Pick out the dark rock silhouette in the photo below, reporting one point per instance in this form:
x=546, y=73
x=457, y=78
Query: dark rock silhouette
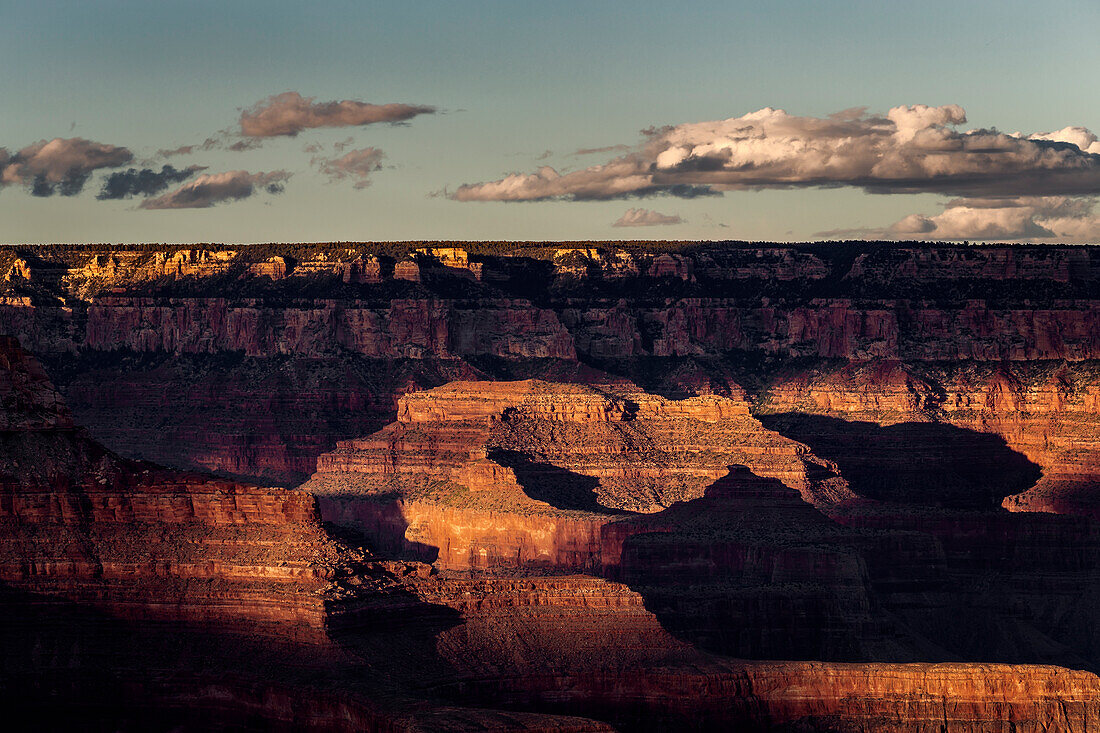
x=558, y=487
x=929, y=464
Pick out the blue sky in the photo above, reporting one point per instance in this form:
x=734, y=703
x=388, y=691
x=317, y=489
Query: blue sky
x=509, y=82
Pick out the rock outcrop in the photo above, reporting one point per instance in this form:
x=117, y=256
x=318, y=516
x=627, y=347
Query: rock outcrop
x=741, y=540
x=82, y=523
x=145, y=597
x=984, y=418
x=477, y=474
x=216, y=562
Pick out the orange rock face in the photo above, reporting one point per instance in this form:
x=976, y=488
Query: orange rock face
x=753, y=531
x=526, y=473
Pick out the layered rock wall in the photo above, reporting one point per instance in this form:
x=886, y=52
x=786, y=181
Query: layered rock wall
x=1048, y=412
x=519, y=474
x=514, y=329
x=402, y=329
x=134, y=316
x=941, y=698
x=81, y=523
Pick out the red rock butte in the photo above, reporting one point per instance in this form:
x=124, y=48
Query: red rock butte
x=447, y=486
x=528, y=473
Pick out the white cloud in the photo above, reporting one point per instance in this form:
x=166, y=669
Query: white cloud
x=646, y=218
x=1031, y=218
x=910, y=149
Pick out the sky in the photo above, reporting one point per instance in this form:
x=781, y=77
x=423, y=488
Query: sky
x=239, y=121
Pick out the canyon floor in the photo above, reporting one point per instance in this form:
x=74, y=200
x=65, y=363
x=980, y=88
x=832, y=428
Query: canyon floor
x=634, y=486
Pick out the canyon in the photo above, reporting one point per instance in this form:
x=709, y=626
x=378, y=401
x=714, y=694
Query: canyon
x=636, y=486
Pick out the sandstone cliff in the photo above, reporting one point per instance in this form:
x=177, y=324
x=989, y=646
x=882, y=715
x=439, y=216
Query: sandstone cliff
x=395, y=646
x=865, y=552
x=1046, y=413
x=479, y=474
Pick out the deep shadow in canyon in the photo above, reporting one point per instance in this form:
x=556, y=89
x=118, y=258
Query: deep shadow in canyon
x=751, y=571
x=926, y=464
x=385, y=534
x=558, y=487
x=73, y=666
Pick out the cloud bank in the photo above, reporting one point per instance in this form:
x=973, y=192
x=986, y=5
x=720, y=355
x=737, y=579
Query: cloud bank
x=1049, y=219
x=646, y=218
x=289, y=113
x=1055, y=218
x=144, y=182
x=356, y=165
x=210, y=189
x=59, y=165
x=911, y=149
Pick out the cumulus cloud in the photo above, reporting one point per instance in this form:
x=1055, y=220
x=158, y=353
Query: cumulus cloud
x=289, y=113
x=356, y=165
x=1068, y=219
x=1081, y=137
x=646, y=218
x=911, y=149
x=1053, y=218
x=144, y=182
x=210, y=189
x=59, y=165
x=914, y=224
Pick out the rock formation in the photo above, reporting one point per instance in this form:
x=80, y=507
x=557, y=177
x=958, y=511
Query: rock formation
x=567, y=488
x=287, y=316
x=522, y=473
x=82, y=523
x=723, y=524
x=149, y=597
x=1046, y=412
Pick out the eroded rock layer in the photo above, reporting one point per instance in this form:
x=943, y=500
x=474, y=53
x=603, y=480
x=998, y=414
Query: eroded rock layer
x=81, y=522
x=866, y=454
x=145, y=598
x=980, y=415
x=757, y=547
x=477, y=474
x=288, y=351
